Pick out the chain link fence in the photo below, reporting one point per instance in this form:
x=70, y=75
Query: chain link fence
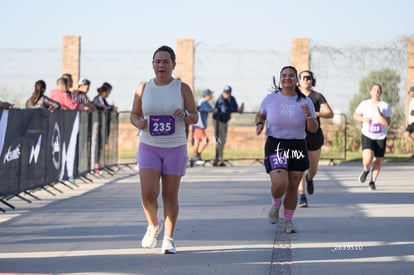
x=338, y=70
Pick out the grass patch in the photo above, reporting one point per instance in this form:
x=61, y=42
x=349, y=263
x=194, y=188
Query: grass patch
x=210, y=153
x=388, y=158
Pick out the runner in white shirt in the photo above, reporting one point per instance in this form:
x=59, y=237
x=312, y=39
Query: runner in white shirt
x=375, y=117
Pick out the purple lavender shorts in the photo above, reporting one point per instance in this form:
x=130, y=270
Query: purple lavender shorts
x=169, y=161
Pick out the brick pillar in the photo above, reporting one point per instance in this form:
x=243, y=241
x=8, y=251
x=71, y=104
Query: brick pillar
x=71, y=57
x=300, y=55
x=410, y=72
x=185, y=61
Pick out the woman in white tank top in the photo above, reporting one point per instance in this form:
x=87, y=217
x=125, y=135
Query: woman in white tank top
x=162, y=106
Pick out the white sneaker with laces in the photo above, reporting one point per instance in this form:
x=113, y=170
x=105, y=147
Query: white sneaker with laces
x=274, y=214
x=289, y=227
x=150, y=237
x=168, y=246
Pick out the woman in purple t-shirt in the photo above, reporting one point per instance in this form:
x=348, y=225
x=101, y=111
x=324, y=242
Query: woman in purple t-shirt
x=288, y=113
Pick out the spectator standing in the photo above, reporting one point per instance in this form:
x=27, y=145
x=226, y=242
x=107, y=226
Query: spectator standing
x=410, y=127
x=199, y=130
x=98, y=139
x=288, y=113
x=100, y=100
x=80, y=95
x=161, y=108
x=69, y=78
x=39, y=99
x=59, y=95
x=225, y=105
x=314, y=141
x=375, y=117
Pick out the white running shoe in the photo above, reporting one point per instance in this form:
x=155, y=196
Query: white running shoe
x=274, y=214
x=150, y=237
x=289, y=227
x=168, y=246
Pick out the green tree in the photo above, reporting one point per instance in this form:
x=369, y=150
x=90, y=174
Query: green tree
x=389, y=81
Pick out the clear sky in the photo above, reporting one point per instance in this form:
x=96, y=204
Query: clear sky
x=133, y=25
x=242, y=23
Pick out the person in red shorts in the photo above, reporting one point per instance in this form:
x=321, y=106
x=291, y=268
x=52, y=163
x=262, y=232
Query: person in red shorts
x=199, y=130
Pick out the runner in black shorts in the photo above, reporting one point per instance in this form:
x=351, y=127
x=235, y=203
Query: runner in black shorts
x=292, y=151
x=377, y=146
x=314, y=140
x=287, y=113
x=375, y=116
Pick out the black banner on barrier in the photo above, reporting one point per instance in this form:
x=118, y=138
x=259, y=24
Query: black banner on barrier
x=10, y=149
x=34, y=141
x=111, y=142
x=96, y=142
x=54, y=147
x=39, y=147
x=62, y=160
x=84, y=143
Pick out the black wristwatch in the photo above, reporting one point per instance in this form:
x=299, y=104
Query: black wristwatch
x=186, y=113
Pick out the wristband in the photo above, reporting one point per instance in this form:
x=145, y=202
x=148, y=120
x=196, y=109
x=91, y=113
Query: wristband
x=186, y=113
x=259, y=123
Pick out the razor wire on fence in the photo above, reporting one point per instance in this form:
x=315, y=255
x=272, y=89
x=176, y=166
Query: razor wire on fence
x=248, y=71
x=338, y=70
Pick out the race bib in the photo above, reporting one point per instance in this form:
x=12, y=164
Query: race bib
x=161, y=125
x=279, y=161
x=375, y=128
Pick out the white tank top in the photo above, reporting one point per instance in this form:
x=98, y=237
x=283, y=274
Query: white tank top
x=158, y=105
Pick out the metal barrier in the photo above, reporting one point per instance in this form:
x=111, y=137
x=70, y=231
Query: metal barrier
x=242, y=142
x=39, y=148
x=335, y=136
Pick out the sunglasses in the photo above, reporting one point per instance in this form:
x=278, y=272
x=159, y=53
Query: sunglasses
x=306, y=77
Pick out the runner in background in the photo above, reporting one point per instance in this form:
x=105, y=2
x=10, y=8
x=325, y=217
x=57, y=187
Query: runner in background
x=314, y=140
x=375, y=116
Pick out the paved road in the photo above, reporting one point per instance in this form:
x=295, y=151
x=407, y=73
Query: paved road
x=96, y=228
